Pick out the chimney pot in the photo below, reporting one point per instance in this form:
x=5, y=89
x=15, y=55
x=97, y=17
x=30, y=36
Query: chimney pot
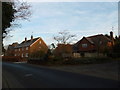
x=31, y=37
x=112, y=38
x=25, y=39
x=111, y=35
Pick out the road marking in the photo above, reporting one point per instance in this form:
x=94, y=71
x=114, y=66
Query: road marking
x=28, y=75
x=20, y=62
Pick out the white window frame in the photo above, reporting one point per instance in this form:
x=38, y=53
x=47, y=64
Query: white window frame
x=39, y=42
x=22, y=55
x=100, y=42
x=26, y=48
x=85, y=45
x=26, y=55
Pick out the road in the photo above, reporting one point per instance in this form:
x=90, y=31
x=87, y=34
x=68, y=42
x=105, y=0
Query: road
x=23, y=75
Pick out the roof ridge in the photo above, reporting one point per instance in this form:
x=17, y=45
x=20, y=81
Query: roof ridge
x=95, y=35
x=27, y=43
x=107, y=37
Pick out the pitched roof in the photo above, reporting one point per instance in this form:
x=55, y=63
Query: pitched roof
x=90, y=40
x=100, y=37
x=27, y=43
x=10, y=47
x=93, y=40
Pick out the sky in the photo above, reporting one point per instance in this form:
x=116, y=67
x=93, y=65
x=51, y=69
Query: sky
x=79, y=18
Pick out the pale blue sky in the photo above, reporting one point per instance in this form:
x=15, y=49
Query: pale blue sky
x=80, y=18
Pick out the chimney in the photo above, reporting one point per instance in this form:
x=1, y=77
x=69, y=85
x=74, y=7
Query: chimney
x=111, y=37
x=15, y=44
x=31, y=37
x=25, y=39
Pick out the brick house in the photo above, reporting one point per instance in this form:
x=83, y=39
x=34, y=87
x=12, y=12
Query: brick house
x=28, y=47
x=10, y=49
x=91, y=44
x=64, y=50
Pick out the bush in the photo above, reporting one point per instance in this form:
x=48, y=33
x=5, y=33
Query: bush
x=87, y=61
x=114, y=55
x=37, y=54
x=35, y=61
x=82, y=54
x=13, y=58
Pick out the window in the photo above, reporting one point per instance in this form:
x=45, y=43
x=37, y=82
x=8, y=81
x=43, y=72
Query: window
x=26, y=55
x=26, y=48
x=100, y=42
x=22, y=55
x=84, y=45
x=22, y=49
x=15, y=50
x=15, y=55
x=39, y=42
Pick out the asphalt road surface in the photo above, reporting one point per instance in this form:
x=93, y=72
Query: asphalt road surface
x=23, y=75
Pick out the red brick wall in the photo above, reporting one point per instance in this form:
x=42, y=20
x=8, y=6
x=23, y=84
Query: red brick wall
x=22, y=51
x=89, y=45
x=62, y=49
x=36, y=46
x=39, y=45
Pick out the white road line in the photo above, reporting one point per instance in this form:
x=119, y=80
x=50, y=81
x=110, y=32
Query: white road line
x=21, y=62
x=28, y=75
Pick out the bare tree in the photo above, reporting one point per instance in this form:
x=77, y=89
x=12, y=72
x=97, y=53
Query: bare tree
x=64, y=37
x=22, y=10
x=12, y=11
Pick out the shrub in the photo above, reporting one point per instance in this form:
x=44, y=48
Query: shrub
x=37, y=54
x=87, y=61
x=13, y=58
x=82, y=54
x=114, y=55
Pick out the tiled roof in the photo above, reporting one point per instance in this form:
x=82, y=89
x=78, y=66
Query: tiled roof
x=90, y=40
x=10, y=47
x=26, y=43
x=94, y=39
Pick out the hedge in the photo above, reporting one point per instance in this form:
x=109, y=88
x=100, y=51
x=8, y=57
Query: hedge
x=13, y=58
